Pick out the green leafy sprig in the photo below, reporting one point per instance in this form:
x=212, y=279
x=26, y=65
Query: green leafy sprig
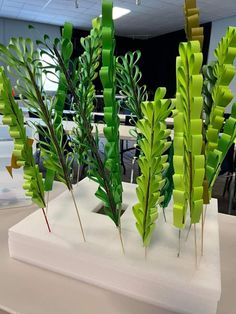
x=84, y=143
x=128, y=76
x=189, y=161
x=216, y=158
x=224, y=72
x=153, y=163
x=86, y=72
x=111, y=129
x=168, y=173
x=61, y=95
x=24, y=62
x=22, y=153
x=207, y=89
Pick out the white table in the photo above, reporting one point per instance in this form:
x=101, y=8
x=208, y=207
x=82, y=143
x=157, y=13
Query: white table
x=29, y=290
x=69, y=125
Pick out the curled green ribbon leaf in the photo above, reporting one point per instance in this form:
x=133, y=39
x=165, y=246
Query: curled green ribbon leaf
x=22, y=153
x=152, y=162
x=223, y=71
x=189, y=162
x=111, y=129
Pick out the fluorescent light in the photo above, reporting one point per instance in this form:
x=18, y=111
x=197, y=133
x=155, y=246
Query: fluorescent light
x=119, y=12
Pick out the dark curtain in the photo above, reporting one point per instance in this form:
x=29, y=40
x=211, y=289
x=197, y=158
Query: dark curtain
x=158, y=56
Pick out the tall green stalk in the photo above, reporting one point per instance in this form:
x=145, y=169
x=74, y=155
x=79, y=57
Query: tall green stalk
x=23, y=61
x=22, y=154
x=153, y=163
x=128, y=76
x=189, y=161
x=224, y=72
x=111, y=129
x=60, y=97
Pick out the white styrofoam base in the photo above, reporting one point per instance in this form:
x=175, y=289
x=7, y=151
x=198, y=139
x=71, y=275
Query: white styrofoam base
x=162, y=279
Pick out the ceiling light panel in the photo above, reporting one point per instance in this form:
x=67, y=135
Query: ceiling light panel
x=152, y=17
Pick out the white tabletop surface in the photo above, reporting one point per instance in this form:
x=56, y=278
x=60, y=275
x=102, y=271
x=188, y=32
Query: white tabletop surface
x=69, y=125
x=27, y=289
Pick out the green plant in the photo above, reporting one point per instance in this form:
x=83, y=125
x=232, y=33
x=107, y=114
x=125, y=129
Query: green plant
x=60, y=96
x=168, y=173
x=192, y=22
x=207, y=89
x=189, y=161
x=23, y=61
x=153, y=163
x=216, y=157
x=128, y=76
x=111, y=129
x=22, y=153
x=223, y=71
x=86, y=72
x=79, y=83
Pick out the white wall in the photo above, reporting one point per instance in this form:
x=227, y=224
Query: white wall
x=15, y=28
x=219, y=28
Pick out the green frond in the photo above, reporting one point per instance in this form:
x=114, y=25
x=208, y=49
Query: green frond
x=188, y=160
x=152, y=163
x=224, y=72
x=128, y=76
x=22, y=153
x=111, y=128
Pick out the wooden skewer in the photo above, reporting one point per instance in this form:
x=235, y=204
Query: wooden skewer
x=164, y=214
x=179, y=245
x=121, y=239
x=195, y=246
x=203, y=225
x=77, y=211
x=189, y=229
x=45, y=217
x=132, y=171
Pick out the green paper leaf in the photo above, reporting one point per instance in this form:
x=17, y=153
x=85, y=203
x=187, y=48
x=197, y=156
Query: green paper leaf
x=152, y=163
x=188, y=159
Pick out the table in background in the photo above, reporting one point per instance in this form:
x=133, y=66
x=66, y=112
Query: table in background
x=69, y=125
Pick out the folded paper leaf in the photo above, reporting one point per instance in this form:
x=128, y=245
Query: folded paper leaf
x=61, y=94
x=192, y=22
x=189, y=162
x=22, y=154
x=111, y=129
x=150, y=185
x=226, y=140
x=222, y=71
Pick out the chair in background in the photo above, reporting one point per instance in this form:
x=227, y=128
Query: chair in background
x=131, y=121
x=97, y=118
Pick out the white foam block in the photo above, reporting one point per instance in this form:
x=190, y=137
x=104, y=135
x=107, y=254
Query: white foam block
x=162, y=279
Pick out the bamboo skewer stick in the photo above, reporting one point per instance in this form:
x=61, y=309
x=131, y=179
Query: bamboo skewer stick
x=179, y=245
x=121, y=239
x=189, y=229
x=77, y=211
x=132, y=171
x=45, y=217
x=164, y=214
x=202, y=231
x=195, y=246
